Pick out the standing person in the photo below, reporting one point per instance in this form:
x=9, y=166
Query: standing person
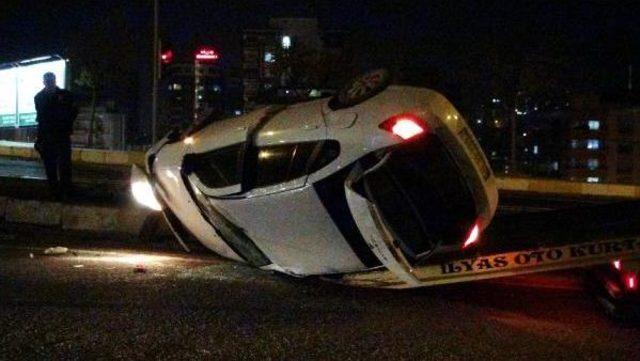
x=56, y=114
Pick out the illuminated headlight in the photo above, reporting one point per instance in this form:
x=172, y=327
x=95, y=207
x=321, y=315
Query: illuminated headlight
x=142, y=191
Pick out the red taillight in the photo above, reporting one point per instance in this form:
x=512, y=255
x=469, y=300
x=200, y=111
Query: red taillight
x=473, y=237
x=631, y=281
x=406, y=126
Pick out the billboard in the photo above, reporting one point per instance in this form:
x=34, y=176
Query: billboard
x=20, y=82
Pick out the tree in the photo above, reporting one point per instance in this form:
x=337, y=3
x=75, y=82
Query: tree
x=104, y=57
x=87, y=80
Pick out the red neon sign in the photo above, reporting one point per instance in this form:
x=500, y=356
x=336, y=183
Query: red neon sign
x=166, y=57
x=207, y=54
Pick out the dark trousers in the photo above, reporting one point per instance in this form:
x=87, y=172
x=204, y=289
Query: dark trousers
x=56, y=156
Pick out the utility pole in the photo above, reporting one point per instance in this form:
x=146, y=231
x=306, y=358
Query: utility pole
x=156, y=59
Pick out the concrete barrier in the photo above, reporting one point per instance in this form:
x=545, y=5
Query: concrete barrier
x=122, y=220
x=33, y=212
x=552, y=186
x=93, y=156
x=130, y=220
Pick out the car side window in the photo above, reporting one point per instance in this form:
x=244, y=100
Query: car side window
x=284, y=162
x=219, y=168
x=330, y=150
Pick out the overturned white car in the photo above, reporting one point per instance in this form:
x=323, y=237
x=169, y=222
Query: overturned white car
x=377, y=176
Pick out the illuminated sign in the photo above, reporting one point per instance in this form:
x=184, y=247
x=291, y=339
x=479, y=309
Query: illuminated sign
x=8, y=97
x=20, y=83
x=207, y=54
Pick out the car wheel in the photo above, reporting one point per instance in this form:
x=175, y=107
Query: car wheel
x=360, y=89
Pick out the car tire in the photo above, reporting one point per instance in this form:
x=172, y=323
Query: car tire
x=360, y=89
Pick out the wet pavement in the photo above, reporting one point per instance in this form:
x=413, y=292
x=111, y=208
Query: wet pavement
x=129, y=301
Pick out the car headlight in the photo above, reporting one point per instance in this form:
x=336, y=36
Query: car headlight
x=142, y=191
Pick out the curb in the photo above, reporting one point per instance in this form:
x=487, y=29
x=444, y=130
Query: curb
x=123, y=220
x=94, y=156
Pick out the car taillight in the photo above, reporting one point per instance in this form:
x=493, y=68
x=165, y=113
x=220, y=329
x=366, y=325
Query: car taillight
x=631, y=281
x=406, y=126
x=473, y=237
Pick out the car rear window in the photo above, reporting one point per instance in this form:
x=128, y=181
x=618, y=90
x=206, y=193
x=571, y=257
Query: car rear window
x=422, y=196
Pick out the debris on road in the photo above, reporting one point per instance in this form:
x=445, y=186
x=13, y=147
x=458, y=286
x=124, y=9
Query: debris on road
x=56, y=250
x=139, y=268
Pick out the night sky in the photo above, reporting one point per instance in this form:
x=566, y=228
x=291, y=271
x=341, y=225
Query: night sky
x=442, y=37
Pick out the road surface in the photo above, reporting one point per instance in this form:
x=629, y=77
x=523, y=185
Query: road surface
x=133, y=303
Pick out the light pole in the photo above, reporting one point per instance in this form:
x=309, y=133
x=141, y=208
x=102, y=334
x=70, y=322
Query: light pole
x=156, y=66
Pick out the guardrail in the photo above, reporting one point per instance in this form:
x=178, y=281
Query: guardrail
x=535, y=185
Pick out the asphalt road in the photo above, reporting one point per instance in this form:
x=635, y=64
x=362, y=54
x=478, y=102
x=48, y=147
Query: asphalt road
x=93, y=304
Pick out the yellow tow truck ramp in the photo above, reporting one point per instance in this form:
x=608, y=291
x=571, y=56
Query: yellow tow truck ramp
x=532, y=242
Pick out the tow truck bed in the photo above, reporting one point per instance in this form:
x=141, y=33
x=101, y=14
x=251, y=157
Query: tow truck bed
x=528, y=243
x=562, y=227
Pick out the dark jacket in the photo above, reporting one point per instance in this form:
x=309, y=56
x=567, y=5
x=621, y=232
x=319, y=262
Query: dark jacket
x=56, y=114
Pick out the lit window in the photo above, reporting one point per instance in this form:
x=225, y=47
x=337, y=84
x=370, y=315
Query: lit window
x=535, y=149
x=593, y=144
x=594, y=124
x=237, y=112
x=593, y=179
x=593, y=164
x=175, y=86
x=268, y=57
x=286, y=42
x=574, y=143
x=555, y=166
